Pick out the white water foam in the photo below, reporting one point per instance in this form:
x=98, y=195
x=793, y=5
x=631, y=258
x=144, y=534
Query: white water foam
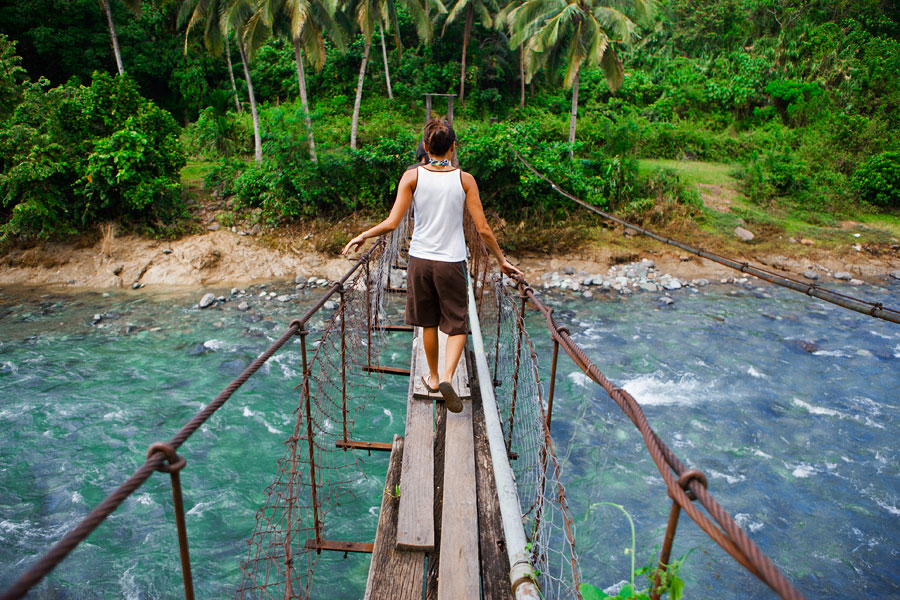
x=888, y=507
x=77, y=498
x=745, y=522
x=580, y=379
x=130, y=589
x=200, y=508
x=258, y=417
x=218, y=345
x=11, y=366
x=835, y=353
x=754, y=373
x=389, y=414
x=731, y=479
x=145, y=499
x=654, y=390
x=818, y=410
x=803, y=470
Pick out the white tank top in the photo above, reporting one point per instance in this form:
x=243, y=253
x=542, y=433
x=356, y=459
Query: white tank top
x=438, y=204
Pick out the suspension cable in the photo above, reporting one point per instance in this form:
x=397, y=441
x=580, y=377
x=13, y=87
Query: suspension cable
x=866, y=307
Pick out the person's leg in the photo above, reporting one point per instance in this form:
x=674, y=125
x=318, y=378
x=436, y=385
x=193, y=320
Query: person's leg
x=430, y=342
x=455, y=345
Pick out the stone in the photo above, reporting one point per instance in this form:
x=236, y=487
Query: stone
x=321, y=281
x=262, y=294
x=300, y=278
x=255, y=230
x=647, y=287
x=207, y=300
x=587, y=295
x=136, y=285
x=167, y=251
x=243, y=306
x=856, y=282
x=743, y=234
x=701, y=282
x=666, y=300
x=810, y=274
x=283, y=298
x=330, y=305
x=807, y=242
x=546, y=276
x=213, y=227
x=673, y=284
x=895, y=274
x=234, y=291
x=587, y=281
x=97, y=318
x=569, y=270
x=843, y=276
x=649, y=263
x=625, y=291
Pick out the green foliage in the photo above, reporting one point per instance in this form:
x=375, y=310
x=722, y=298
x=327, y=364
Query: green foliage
x=73, y=156
x=878, y=180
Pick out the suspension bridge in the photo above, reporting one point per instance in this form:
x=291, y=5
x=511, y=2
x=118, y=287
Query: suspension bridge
x=474, y=505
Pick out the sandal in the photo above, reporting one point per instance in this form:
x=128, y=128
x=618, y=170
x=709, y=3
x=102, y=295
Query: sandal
x=451, y=400
x=428, y=388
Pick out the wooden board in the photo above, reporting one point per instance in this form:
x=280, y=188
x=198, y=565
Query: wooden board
x=495, y=584
x=393, y=574
x=415, y=522
x=460, y=379
x=433, y=557
x=458, y=576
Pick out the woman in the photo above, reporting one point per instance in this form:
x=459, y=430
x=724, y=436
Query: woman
x=436, y=276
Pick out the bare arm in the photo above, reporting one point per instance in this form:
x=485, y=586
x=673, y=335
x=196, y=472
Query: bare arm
x=473, y=205
x=405, y=190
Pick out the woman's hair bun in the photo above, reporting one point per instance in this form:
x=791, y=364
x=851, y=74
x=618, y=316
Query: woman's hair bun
x=438, y=136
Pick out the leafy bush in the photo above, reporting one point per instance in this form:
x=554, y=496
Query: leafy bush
x=878, y=180
x=73, y=156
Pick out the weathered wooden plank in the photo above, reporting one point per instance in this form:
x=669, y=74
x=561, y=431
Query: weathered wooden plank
x=393, y=574
x=415, y=524
x=460, y=378
x=495, y=583
x=458, y=577
x=433, y=558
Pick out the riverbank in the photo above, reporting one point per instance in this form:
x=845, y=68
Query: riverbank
x=225, y=257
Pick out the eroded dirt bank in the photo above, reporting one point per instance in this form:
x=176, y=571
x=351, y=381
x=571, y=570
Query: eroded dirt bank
x=223, y=257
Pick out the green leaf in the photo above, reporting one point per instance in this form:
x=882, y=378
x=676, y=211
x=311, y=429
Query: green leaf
x=627, y=591
x=676, y=588
x=590, y=592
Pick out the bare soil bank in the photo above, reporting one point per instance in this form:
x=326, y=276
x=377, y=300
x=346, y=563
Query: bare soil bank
x=222, y=258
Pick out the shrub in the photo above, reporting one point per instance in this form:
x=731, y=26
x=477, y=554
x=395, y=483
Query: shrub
x=878, y=180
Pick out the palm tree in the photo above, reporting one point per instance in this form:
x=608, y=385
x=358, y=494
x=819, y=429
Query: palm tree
x=371, y=12
x=581, y=31
x=485, y=9
x=219, y=19
x=135, y=7
x=503, y=18
x=304, y=22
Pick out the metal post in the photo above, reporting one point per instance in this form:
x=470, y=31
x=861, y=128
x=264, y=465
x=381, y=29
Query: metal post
x=344, y=363
x=368, y=315
x=497, y=344
x=175, y=464
x=450, y=110
x=309, y=439
x=666, y=548
x=552, y=382
x=427, y=107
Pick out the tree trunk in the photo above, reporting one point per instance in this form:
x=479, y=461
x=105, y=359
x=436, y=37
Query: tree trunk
x=522, y=76
x=392, y=12
x=115, y=38
x=301, y=78
x=257, y=140
x=467, y=31
x=574, y=114
x=359, y=87
x=387, y=69
x=237, y=100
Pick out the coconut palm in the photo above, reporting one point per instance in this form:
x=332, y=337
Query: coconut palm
x=205, y=14
x=305, y=23
x=501, y=20
x=370, y=13
x=485, y=10
x=580, y=33
x=218, y=20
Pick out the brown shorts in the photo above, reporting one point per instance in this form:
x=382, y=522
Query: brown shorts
x=436, y=295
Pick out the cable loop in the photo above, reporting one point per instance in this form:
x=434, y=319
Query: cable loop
x=176, y=462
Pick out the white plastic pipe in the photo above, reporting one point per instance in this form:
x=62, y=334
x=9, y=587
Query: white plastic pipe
x=521, y=573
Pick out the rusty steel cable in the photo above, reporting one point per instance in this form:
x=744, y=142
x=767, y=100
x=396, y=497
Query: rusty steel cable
x=678, y=479
x=80, y=532
x=866, y=307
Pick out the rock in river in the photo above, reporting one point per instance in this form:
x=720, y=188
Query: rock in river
x=207, y=300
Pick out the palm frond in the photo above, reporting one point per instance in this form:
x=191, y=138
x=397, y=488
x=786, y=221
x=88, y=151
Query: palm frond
x=612, y=68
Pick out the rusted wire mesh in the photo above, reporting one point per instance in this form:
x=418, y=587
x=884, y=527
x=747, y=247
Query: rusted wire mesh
x=521, y=401
x=315, y=473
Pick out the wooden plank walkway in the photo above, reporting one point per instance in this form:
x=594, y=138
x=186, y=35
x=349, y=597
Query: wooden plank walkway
x=444, y=532
x=420, y=367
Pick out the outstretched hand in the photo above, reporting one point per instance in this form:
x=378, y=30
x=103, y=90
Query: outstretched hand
x=354, y=244
x=510, y=271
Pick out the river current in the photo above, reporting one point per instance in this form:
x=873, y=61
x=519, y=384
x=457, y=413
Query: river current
x=789, y=405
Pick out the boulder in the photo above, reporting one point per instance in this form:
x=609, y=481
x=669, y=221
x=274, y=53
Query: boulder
x=569, y=270
x=243, y=306
x=330, y=305
x=810, y=274
x=300, y=278
x=895, y=274
x=673, y=284
x=843, y=276
x=207, y=300
x=856, y=282
x=666, y=300
x=283, y=298
x=701, y=282
x=648, y=287
x=743, y=234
